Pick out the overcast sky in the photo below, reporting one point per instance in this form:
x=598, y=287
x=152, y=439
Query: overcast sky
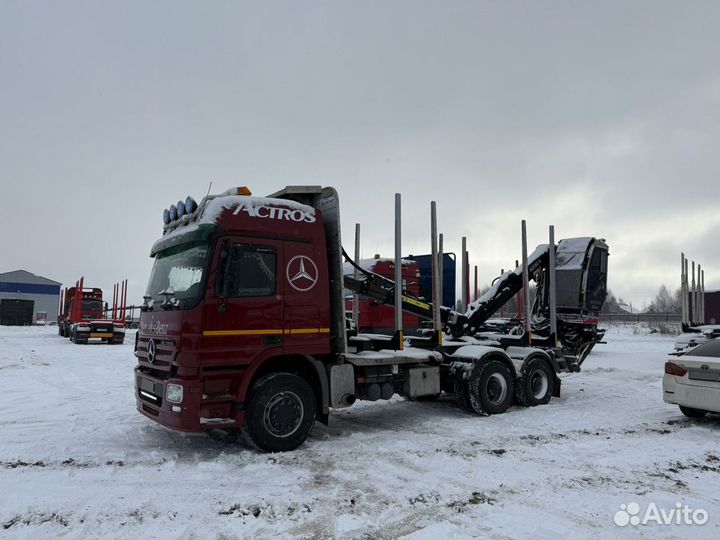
x=600, y=118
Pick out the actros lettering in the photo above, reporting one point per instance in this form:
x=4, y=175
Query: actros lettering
x=271, y=212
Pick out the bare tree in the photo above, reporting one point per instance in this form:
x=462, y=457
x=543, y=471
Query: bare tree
x=610, y=304
x=665, y=302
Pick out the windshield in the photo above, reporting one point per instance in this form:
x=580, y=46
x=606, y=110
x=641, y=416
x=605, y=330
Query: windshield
x=178, y=272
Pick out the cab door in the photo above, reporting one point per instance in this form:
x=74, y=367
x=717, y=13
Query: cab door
x=243, y=312
x=307, y=303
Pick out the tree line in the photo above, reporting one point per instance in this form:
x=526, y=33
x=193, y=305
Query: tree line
x=664, y=302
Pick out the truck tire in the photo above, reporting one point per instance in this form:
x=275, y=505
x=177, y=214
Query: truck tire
x=281, y=410
x=692, y=413
x=462, y=395
x=491, y=388
x=536, y=385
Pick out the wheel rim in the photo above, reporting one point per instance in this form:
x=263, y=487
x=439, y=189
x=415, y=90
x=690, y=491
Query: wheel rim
x=538, y=384
x=283, y=414
x=496, y=389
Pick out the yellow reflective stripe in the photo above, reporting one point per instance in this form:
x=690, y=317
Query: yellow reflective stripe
x=269, y=332
x=414, y=302
x=242, y=332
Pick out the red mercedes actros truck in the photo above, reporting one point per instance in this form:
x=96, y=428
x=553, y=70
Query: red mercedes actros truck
x=81, y=316
x=243, y=324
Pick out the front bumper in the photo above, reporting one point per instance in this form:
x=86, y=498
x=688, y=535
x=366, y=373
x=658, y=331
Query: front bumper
x=195, y=413
x=675, y=391
x=100, y=331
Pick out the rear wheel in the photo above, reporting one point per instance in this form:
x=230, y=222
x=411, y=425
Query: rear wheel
x=537, y=383
x=491, y=390
x=280, y=413
x=692, y=413
x=462, y=395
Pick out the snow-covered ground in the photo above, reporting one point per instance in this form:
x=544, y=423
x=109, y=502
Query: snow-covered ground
x=77, y=461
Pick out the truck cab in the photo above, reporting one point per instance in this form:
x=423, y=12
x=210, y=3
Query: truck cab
x=239, y=289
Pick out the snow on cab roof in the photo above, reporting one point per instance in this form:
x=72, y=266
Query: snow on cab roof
x=211, y=208
x=215, y=207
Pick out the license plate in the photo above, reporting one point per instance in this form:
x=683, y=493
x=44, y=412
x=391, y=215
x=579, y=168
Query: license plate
x=704, y=375
x=101, y=335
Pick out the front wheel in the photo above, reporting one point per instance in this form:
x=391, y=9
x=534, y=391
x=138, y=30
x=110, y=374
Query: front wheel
x=281, y=410
x=692, y=413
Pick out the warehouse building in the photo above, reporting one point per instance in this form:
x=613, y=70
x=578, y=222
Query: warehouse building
x=26, y=298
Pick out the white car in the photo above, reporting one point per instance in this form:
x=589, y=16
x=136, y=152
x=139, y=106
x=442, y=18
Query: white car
x=692, y=380
x=688, y=340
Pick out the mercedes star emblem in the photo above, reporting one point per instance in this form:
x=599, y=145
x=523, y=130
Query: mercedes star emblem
x=302, y=273
x=151, y=351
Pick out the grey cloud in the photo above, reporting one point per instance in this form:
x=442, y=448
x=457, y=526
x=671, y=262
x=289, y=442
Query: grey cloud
x=598, y=117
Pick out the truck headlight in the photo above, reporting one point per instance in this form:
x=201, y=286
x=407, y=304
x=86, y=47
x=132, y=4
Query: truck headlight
x=174, y=393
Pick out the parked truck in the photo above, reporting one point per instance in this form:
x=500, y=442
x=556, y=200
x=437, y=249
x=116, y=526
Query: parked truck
x=243, y=324
x=377, y=317
x=81, y=316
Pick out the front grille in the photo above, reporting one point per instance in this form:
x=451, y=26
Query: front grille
x=164, y=350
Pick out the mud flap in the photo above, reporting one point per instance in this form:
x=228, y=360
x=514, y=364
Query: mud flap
x=556, y=388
